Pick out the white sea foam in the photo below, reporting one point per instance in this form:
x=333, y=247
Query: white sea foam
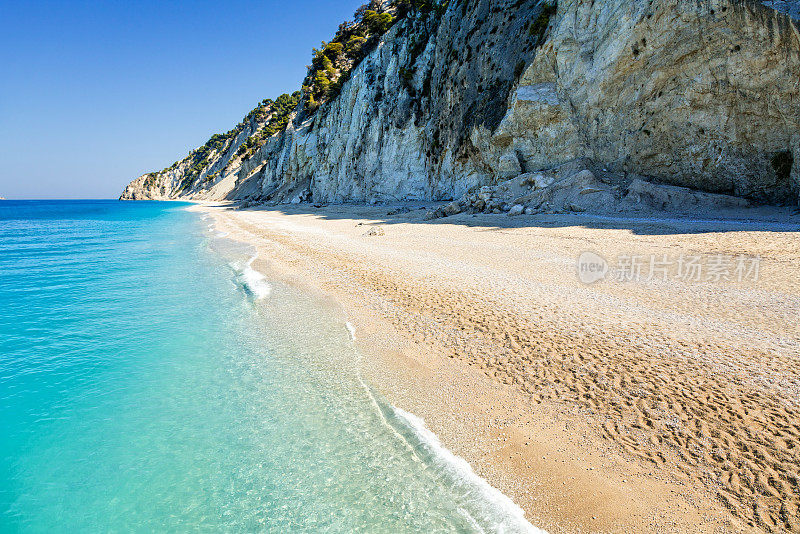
x=352, y=330
x=490, y=510
x=251, y=280
x=503, y=514
x=255, y=281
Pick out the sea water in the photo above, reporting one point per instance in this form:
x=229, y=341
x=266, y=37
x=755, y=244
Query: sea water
x=151, y=380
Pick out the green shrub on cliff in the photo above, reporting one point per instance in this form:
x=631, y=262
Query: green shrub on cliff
x=333, y=50
x=332, y=63
x=280, y=112
x=377, y=23
x=354, y=45
x=321, y=83
x=150, y=180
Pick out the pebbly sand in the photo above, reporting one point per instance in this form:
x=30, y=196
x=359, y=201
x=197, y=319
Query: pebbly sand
x=646, y=402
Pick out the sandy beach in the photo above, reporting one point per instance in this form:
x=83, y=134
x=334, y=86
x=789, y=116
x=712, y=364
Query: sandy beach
x=663, y=397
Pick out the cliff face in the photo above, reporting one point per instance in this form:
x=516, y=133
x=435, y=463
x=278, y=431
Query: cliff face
x=200, y=170
x=703, y=94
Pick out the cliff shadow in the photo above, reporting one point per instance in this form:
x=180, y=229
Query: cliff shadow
x=757, y=219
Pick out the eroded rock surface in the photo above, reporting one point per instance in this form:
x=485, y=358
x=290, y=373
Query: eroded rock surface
x=703, y=95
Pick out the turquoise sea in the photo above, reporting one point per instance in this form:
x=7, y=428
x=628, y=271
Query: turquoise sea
x=150, y=381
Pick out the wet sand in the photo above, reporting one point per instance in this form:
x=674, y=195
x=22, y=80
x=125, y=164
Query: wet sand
x=646, y=402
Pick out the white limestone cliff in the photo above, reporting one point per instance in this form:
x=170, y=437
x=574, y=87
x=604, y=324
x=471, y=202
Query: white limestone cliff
x=703, y=94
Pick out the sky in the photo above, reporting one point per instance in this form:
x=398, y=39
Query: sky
x=96, y=93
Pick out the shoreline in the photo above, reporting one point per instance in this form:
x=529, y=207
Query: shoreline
x=407, y=426
x=422, y=312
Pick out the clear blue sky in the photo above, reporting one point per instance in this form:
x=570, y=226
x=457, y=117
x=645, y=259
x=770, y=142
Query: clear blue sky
x=95, y=93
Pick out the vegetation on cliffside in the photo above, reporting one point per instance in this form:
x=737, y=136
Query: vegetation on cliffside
x=333, y=62
x=330, y=68
x=280, y=112
x=199, y=159
x=268, y=118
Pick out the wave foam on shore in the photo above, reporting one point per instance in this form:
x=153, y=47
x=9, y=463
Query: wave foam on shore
x=490, y=510
x=252, y=281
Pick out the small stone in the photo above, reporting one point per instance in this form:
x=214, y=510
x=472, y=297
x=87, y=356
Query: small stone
x=535, y=180
x=376, y=231
x=451, y=209
x=576, y=208
x=517, y=209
